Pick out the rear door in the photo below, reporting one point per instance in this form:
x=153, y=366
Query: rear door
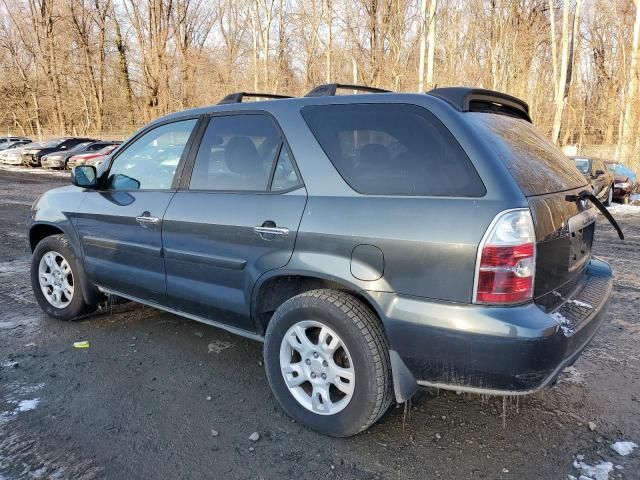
x=564, y=229
x=120, y=226
x=234, y=219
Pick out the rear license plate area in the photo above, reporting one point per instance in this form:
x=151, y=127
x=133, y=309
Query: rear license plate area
x=581, y=240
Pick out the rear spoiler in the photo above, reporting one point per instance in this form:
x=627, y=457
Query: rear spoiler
x=468, y=99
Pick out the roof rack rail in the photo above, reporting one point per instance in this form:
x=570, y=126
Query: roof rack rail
x=329, y=89
x=238, y=96
x=467, y=99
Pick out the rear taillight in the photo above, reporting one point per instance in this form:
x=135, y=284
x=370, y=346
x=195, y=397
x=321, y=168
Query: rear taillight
x=506, y=263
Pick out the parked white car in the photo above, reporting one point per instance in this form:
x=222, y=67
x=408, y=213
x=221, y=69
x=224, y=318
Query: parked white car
x=13, y=156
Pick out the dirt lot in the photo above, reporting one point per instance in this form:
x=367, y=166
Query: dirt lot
x=148, y=396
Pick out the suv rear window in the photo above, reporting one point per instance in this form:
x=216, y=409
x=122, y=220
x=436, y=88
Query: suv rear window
x=536, y=164
x=393, y=149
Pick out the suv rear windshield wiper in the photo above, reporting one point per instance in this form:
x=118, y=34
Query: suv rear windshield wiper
x=587, y=195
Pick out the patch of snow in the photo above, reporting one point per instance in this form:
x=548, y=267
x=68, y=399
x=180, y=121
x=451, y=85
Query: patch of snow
x=26, y=405
x=218, y=346
x=624, y=448
x=575, y=376
x=595, y=472
x=620, y=209
x=8, y=364
x=34, y=171
x=581, y=304
x=565, y=324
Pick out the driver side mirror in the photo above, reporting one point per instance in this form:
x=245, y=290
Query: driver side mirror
x=84, y=176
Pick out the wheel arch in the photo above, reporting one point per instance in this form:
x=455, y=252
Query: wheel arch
x=273, y=290
x=39, y=231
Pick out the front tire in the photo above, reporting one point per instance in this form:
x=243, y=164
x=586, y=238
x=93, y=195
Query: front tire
x=327, y=361
x=609, y=199
x=56, y=280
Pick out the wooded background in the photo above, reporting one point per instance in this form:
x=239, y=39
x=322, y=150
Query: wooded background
x=106, y=67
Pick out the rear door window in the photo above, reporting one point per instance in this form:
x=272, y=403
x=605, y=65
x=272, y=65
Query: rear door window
x=237, y=153
x=536, y=164
x=393, y=149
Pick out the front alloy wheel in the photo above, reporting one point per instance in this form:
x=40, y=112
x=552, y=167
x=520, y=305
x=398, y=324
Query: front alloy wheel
x=56, y=279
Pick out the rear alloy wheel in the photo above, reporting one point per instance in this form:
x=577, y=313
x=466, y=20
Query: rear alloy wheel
x=327, y=361
x=317, y=367
x=55, y=279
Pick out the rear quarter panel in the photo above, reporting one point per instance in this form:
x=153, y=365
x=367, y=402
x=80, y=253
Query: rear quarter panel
x=429, y=244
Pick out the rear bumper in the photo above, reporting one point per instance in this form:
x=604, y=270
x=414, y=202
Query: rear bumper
x=492, y=350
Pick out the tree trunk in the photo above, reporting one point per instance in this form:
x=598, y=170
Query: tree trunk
x=626, y=140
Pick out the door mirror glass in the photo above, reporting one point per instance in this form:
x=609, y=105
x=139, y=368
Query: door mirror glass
x=84, y=176
x=120, y=181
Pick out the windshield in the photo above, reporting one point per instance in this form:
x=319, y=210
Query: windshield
x=582, y=164
x=52, y=143
x=536, y=164
x=80, y=146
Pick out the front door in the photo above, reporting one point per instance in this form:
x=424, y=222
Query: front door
x=235, y=219
x=120, y=225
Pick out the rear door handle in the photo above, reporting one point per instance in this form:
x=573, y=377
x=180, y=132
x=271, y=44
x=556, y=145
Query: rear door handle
x=271, y=231
x=145, y=220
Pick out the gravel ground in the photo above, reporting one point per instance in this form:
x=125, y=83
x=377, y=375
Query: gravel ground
x=158, y=396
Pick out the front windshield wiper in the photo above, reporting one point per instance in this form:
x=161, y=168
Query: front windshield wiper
x=587, y=195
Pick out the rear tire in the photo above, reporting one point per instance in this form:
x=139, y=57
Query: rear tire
x=342, y=335
x=56, y=279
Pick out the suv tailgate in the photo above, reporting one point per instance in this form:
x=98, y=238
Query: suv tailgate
x=564, y=229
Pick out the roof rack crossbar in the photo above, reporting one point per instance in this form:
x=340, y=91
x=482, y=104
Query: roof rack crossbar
x=238, y=96
x=329, y=89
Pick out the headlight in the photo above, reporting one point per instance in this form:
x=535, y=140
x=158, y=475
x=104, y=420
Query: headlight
x=623, y=185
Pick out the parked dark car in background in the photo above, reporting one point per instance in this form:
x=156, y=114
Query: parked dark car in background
x=32, y=157
x=598, y=175
x=91, y=157
x=60, y=158
x=625, y=181
x=374, y=243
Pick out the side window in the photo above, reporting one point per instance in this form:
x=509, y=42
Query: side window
x=150, y=162
x=284, y=175
x=236, y=154
x=393, y=149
